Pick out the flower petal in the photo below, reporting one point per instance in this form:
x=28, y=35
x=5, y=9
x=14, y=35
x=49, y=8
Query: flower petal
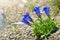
x=37, y=10
x=47, y=10
x=27, y=16
x=25, y=21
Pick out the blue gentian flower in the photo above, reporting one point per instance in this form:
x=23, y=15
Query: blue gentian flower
x=37, y=10
x=47, y=10
x=25, y=21
x=27, y=18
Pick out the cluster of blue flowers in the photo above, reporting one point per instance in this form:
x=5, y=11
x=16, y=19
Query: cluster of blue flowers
x=27, y=19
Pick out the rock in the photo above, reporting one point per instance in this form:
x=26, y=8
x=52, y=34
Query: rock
x=58, y=38
x=7, y=39
x=24, y=1
x=13, y=36
x=3, y=21
x=21, y=6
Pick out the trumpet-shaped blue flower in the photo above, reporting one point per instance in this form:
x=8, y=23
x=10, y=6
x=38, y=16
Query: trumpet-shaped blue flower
x=25, y=21
x=37, y=10
x=47, y=10
x=27, y=18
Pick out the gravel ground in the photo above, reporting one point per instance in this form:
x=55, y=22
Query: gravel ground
x=24, y=33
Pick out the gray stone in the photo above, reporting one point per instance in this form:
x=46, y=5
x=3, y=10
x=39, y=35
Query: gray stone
x=3, y=21
x=13, y=36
